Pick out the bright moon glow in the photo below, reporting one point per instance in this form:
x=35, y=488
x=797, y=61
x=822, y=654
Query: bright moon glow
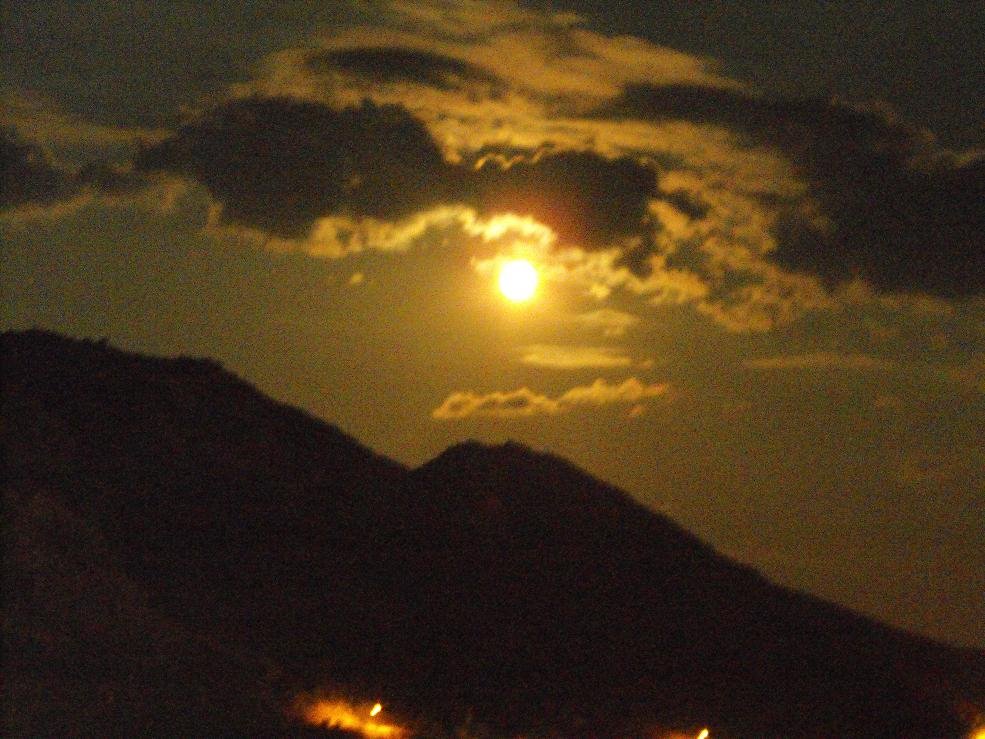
x=518, y=280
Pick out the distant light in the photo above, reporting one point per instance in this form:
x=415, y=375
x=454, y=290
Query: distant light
x=704, y=734
x=340, y=714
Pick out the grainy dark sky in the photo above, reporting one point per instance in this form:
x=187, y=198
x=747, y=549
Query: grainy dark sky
x=758, y=228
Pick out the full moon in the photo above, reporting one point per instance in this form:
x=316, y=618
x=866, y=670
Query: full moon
x=518, y=280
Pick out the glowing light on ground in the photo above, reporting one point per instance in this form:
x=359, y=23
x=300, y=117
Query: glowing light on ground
x=339, y=714
x=664, y=734
x=518, y=280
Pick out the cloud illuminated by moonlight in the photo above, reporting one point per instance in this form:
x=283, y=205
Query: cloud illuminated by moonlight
x=525, y=402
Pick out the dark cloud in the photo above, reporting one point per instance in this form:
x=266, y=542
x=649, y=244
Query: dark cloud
x=110, y=179
x=279, y=164
x=387, y=64
x=688, y=204
x=585, y=198
x=27, y=175
x=899, y=212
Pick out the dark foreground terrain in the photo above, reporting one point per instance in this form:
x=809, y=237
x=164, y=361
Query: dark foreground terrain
x=184, y=556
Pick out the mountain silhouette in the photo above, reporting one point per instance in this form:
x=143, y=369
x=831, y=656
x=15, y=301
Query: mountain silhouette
x=183, y=555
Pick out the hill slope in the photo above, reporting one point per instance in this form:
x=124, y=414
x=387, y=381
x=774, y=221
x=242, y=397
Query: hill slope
x=184, y=553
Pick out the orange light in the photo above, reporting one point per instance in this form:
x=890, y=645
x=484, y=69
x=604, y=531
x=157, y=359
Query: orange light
x=704, y=734
x=339, y=714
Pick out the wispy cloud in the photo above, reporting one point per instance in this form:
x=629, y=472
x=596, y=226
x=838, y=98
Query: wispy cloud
x=35, y=188
x=970, y=374
x=43, y=122
x=822, y=360
x=571, y=357
x=609, y=321
x=525, y=402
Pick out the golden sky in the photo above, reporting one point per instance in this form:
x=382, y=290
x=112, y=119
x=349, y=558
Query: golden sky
x=760, y=258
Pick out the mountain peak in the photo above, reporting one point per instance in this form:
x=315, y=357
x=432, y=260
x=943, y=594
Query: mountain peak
x=517, y=476
x=471, y=452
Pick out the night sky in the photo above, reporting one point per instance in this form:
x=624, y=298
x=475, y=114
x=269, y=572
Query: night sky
x=758, y=230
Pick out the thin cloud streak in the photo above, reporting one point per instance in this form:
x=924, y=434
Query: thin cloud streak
x=822, y=360
x=609, y=321
x=524, y=402
x=573, y=357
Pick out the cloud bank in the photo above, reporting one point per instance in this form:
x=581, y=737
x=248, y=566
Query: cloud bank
x=633, y=167
x=280, y=165
x=892, y=207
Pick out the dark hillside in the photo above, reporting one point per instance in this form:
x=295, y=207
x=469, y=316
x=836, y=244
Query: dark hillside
x=85, y=654
x=222, y=501
x=182, y=555
x=643, y=620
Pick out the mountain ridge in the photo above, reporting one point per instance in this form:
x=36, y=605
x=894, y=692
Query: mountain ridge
x=492, y=581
